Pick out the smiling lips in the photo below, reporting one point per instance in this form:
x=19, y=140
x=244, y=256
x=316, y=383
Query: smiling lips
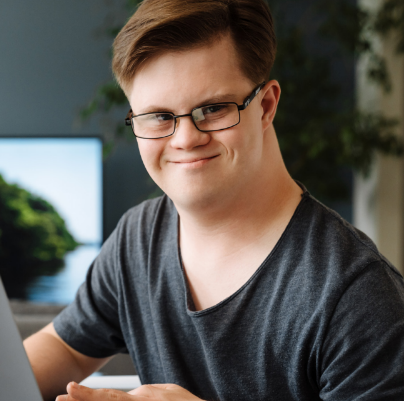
x=194, y=163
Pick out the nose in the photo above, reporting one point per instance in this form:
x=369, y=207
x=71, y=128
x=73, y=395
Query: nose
x=187, y=136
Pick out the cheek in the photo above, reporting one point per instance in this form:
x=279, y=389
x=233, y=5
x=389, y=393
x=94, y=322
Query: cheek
x=150, y=152
x=240, y=140
x=251, y=131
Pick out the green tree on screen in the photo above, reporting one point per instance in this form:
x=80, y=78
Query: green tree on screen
x=33, y=238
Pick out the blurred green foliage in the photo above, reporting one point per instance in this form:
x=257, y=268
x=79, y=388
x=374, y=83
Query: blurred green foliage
x=390, y=19
x=321, y=132
x=33, y=238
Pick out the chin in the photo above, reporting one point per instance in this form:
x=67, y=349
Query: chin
x=199, y=198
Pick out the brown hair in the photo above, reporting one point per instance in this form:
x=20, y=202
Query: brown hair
x=173, y=25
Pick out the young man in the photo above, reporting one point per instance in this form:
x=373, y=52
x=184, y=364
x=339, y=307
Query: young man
x=236, y=285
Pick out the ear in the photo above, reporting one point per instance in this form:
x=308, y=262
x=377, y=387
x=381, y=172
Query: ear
x=271, y=94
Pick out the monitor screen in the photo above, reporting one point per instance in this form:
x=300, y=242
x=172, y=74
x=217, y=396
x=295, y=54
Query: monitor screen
x=67, y=173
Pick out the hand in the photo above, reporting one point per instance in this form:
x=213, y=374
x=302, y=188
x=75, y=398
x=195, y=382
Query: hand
x=151, y=392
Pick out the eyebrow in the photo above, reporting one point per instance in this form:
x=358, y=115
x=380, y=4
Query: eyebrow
x=215, y=99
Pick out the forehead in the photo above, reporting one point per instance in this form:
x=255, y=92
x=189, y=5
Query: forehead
x=182, y=79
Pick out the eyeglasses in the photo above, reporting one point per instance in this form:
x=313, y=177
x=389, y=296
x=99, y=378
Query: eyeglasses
x=213, y=117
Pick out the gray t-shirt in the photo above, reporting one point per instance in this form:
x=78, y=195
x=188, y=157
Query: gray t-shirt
x=321, y=318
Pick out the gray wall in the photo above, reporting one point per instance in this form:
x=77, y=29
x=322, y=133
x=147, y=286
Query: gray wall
x=53, y=55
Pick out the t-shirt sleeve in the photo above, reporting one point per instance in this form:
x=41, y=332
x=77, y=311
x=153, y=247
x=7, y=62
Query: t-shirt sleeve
x=90, y=324
x=362, y=356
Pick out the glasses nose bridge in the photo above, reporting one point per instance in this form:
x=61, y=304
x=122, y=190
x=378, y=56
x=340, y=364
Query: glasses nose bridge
x=177, y=120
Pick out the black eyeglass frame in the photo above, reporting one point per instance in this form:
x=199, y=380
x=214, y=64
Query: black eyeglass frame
x=129, y=117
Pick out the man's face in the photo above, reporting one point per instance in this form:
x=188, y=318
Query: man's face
x=195, y=168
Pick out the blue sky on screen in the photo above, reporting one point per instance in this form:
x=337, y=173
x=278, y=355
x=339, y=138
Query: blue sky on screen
x=65, y=172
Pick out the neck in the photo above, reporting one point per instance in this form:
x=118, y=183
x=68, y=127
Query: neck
x=247, y=215
x=263, y=206
x=223, y=243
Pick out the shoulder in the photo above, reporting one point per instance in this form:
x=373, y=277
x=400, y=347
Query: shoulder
x=333, y=241
x=138, y=227
x=148, y=209
x=148, y=215
x=362, y=341
x=322, y=256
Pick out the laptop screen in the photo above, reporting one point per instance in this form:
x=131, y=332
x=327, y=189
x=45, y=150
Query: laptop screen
x=17, y=381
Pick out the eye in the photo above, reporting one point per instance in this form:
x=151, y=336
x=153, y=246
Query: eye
x=216, y=108
x=163, y=117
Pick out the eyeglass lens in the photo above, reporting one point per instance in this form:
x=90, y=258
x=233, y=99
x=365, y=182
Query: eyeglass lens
x=207, y=118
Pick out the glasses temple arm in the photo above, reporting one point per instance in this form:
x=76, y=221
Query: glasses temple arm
x=128, y=117
x=250, y=98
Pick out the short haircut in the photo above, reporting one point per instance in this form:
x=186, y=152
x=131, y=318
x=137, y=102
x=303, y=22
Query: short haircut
x=160, y=26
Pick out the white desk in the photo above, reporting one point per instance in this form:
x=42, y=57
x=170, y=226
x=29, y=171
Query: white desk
x=123, y=383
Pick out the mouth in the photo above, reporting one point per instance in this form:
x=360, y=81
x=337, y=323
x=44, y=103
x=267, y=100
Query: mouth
x=195, y=162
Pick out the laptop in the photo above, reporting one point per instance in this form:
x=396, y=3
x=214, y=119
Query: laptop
x=17, y=380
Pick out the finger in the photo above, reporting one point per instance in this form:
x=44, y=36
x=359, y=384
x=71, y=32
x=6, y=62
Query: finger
x=143, y=391
x=64, y=397
x=166, y=386
x=165, y=391
x=153, y=390
x=83, y=393
x=79, y=392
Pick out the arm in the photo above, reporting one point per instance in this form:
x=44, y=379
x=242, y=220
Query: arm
x=55, y=363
